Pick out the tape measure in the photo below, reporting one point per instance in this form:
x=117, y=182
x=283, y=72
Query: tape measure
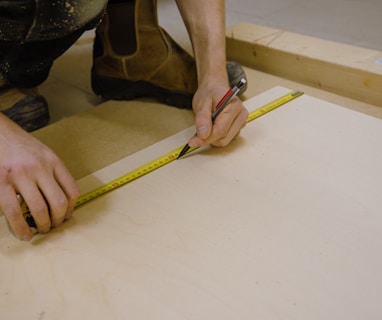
x=161, y=161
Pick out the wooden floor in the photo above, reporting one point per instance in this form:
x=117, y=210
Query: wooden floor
x=68, y=87
x=69, y=95
x=355, y=22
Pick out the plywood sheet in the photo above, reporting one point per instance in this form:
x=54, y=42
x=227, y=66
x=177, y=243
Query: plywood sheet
x=284, y=223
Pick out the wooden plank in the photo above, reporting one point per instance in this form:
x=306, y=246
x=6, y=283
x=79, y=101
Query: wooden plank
x=284, y=221
x=343, y=69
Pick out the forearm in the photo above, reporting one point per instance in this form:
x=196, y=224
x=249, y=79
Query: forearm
x=205, y=22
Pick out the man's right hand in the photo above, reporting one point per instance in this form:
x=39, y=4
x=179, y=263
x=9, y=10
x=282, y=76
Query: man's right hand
x=31, y=169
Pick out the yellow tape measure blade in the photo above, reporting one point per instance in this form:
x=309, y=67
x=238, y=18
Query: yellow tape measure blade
x=130, y=176
x=273, y=105
x=162, y=160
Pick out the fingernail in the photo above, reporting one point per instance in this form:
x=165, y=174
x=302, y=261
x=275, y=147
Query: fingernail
x=192, y=144
x=44, y=230
x=27, y=237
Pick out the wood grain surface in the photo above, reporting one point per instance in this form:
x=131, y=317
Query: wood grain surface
x=284, y=223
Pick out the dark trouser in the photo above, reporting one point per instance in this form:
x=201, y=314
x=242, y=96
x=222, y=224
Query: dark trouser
x=34, y=33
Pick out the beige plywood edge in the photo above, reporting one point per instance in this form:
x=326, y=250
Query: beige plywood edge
x=283, y=223
x=343, y=69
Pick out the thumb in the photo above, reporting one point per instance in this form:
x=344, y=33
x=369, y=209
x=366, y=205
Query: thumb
x=203, y=126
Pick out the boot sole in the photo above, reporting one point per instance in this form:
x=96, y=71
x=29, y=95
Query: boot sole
x=31, y=113
x=122, y=89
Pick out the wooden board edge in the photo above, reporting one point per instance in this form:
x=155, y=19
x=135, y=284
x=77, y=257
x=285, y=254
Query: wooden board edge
x=342, y=69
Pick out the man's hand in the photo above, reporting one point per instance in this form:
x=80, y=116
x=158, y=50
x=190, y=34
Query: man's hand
x=29, y=168
x=227, y=124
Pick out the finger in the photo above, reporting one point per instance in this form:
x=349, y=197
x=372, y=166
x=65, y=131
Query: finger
x=203, y=123
x=55, y=199
x=203, y=126
x=218, y=129
x=69, y=187
x=229, y=127
x=12, y=211
x=227, y=124
x=36, y=203
x=203, y=113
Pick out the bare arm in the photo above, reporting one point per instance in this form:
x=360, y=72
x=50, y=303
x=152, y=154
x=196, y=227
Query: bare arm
x=205, y=22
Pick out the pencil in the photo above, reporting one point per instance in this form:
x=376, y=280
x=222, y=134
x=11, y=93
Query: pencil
x=220, y=107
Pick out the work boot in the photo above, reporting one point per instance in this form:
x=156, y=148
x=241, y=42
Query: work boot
x=24, y=106
x=134, y=57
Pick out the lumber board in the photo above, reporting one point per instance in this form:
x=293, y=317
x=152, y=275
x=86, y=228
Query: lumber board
x=343, y=69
